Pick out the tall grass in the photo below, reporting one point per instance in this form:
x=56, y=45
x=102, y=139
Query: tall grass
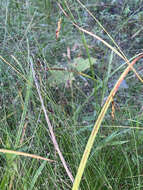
x=29, y=158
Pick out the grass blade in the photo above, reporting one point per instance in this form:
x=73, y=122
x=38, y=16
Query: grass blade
x=38, y=172
x=53, y=138
x=97, y=125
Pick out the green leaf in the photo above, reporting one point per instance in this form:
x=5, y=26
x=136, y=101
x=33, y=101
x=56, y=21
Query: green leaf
x=81, y=64
x=59, y=77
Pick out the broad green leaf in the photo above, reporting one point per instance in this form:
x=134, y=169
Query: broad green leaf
x=81, y=64
x=59, y=77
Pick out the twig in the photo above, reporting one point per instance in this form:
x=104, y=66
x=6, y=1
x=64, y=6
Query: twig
x=25, y=154
x=53, y=138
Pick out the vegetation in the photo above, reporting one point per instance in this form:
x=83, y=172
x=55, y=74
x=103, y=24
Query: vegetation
x=59, y=61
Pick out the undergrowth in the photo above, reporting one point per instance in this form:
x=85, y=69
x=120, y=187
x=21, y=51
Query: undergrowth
x=75, y=73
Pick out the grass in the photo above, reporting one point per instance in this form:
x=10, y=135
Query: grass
x=28, y=34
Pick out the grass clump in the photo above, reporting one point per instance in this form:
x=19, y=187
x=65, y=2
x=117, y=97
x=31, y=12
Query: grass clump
x=75, y=72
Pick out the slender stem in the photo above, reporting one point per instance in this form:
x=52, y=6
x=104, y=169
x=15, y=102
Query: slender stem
x=52, y=135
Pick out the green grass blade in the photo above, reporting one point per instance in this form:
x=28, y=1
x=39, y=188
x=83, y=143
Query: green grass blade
x=37, y=174
x=27, y=98
x=97, y=126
